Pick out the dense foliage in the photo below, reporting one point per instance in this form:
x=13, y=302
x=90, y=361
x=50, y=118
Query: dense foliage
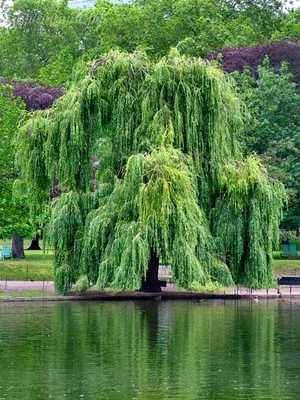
x=45, y=39
x=267, y=80
x=36, y=96
x=16, y=220
x=236, y=59
x=14, y=215
x=171, y=180
x=273, y=131
x=41, y=41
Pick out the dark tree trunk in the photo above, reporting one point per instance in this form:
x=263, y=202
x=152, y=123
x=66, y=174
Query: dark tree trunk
x=34, y=244
x=17, y=250
x=151, y=283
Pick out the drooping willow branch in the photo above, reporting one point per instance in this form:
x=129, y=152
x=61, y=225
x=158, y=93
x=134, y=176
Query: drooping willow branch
x=170, y=177
x=98, y=62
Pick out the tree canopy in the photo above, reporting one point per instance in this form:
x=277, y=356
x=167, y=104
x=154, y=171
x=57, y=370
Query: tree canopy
x=17, y=97
x=236, y=59
x=147, y=158
x=273, y=130
x=267, y=82
x=14, y=215
x=45, y=39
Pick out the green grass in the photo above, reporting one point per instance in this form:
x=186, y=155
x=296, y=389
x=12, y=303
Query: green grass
x=36, y=266
x=27, y=242
x=283, y=266
x=286, y=267
x=276, y=256
x=26, y=293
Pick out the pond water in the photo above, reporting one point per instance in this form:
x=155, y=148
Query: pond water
x=150, y=350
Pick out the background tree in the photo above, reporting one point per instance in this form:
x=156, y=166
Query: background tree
x=272, y=130
x=14, y=215
x=236, y=59
x=45, y=39
x=36, y=96
x=171, y=179
x=16, y=220
x=197, y=27
x=289, y=27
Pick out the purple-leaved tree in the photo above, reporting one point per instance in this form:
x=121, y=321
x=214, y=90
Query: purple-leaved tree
x=235, y=59
x=37, y=96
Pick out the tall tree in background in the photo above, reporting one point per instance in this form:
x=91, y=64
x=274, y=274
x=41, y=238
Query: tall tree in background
x=14, y=213
x=171, y=182
x=269, y=87
x=196, y=26
x=267, y=79
x=273, y=131
x=44, y=39
x=289, y=27
x=15, y=98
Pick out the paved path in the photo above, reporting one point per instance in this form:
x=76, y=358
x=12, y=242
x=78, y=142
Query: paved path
x=289, y=290
x=21, y=286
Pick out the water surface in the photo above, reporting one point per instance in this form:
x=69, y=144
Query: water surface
x=150, y=350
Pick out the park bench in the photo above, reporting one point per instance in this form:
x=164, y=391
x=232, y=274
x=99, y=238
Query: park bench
x=289, y=281
x=288, y=250
x=165, y=273
x=6, y=251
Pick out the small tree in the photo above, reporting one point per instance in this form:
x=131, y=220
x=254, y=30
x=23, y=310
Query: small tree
x=170, y=184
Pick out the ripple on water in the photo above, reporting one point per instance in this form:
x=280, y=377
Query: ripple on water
x=150, y=350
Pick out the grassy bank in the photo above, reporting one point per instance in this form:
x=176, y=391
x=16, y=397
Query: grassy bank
x=286, y=268
x=38, y=266
x=283, y=266
x=25, y=293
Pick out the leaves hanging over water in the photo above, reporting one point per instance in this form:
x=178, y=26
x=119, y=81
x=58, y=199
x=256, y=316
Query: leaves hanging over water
x=246, y=221
x=162, y=135
x=153, y=207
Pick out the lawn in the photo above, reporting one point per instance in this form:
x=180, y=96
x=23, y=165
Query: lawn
x=283, y=266
x=36, y=266
x=25, y=293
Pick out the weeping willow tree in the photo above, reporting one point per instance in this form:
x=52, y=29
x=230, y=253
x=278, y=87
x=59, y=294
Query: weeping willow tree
x=147, y=159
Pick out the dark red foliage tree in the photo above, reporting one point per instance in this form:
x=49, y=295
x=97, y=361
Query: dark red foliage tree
x=234, y=59
x=37, y=97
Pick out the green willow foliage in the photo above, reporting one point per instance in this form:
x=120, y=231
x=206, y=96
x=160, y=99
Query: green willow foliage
x=154, y=206
x=170, y=177
x=246, y=221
